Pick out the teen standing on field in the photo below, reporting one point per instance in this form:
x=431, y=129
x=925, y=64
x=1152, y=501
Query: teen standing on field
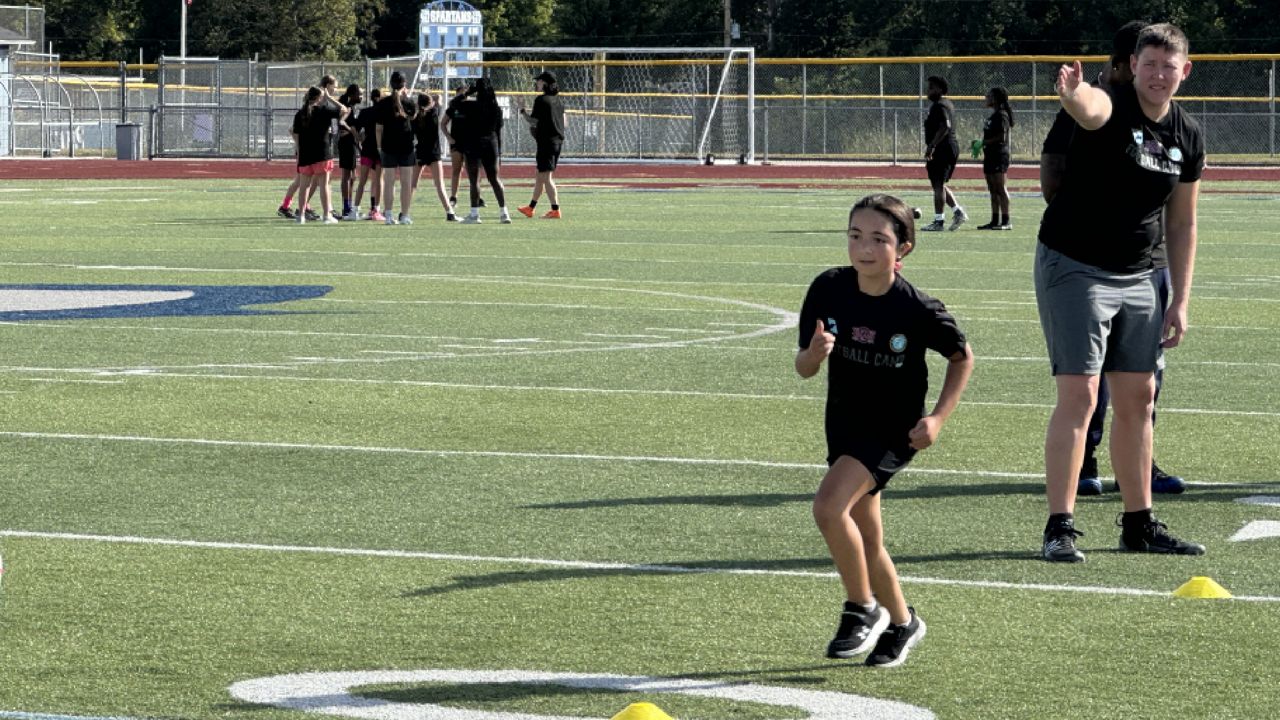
x=875, y=327
x=426, y=130
x=370, y=158
x=995, y=157
x=395, y=143
x=312, y=128
x=484, y=120
x=941, y=153
x=546, y=122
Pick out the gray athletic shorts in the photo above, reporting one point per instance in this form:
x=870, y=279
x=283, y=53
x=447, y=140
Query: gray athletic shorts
x=1094, y=320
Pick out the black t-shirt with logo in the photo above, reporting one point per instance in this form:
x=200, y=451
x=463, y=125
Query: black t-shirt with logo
x=459, y=116
x=314, y=131
x=1108, y=212
x=877, y=375
x=995, y=132
x=397, y=132
x=942, y=116
x=548, y=111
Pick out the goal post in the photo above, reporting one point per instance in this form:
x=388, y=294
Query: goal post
x=621, y=104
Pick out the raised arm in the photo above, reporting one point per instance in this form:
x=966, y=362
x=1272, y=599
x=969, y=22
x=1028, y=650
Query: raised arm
x=1089, y=106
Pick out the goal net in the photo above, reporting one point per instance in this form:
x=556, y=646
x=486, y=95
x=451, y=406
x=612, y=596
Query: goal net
x=620, y=103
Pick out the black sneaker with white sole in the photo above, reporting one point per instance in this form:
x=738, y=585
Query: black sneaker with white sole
x=858, y=630
x=896, y=641
x=935, y=226
x=1152, y=537
x=1060, y=544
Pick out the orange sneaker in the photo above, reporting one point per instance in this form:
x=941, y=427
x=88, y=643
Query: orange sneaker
x=552, y=215
x=525, y=211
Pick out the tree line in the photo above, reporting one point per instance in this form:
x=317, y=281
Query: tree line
x=349, y=29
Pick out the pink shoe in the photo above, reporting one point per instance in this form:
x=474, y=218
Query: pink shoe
x=376, y=216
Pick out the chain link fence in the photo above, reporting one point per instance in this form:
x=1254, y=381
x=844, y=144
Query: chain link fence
x=816, y=109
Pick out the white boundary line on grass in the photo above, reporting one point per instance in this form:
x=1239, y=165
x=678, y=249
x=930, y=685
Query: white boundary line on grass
x=661, y=459
x=588, y=565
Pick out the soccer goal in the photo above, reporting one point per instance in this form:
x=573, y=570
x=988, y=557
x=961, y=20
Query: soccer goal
x=620, y=103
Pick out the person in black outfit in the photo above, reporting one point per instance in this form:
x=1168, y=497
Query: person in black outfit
x=941, y=153
x=995, y=157
x=395, y=143
x=484, y=119
x=370, y=159
x=348, y=152
x=1132, y=171
x=454, y=127
x=546, y=123
x=426, y=131
x=874, y=327
x=312, y=131
x=1053, y=159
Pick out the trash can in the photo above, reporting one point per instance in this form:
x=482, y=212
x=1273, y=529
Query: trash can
x=128, y=141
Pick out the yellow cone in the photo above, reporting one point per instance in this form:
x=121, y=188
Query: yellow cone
x=1201, y=587
x=642, y=711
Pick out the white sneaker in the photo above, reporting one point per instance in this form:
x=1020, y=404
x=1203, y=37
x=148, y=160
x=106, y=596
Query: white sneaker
x=958, y=218
x=353, y=214
x=405, y=219
x=389, y=220
x=471, y=220
x=505, y=219
x=301, y=219
x=330, y=220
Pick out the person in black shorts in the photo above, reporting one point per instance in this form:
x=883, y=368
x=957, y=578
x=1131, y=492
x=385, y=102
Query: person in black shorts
x=454, y=127
x=995, y=157
x=348, y=152
x=546, y=123
x=395, y=144
x=875, y=328
x=1134, y=158
x=370, y=159
x=1053, y=160
x=941, y=153
x=426, y=131
x=484, y=119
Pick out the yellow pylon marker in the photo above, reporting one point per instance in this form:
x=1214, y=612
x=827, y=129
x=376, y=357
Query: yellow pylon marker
x=1201, y=587
x=642, y=711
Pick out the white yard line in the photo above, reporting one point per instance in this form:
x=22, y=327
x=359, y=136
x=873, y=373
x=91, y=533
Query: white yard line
x=589, y=565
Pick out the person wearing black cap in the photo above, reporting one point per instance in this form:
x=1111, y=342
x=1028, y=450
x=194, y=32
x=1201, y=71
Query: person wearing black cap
x=484, y=119
x=546, y=122
x=942, y=150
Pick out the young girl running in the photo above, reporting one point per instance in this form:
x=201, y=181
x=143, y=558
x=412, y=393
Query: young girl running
x=370, y=159
x=875, y=327
x=995, y=157
x=426, y=129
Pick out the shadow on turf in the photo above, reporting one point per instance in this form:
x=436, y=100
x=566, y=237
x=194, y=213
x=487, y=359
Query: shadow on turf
x=919, y=492
x=510, y=577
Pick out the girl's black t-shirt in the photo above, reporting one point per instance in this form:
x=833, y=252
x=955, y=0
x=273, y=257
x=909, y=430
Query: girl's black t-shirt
x=1108, y=212
x=877, y=376
x=314, y=132
x=397, y=132
x=367, y=123
x=995, y=132
x=426, y=129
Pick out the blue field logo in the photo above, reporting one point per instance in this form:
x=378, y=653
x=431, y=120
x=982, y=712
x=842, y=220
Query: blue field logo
x=85, y=302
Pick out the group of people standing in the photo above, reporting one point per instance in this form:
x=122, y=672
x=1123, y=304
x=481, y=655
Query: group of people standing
x=942, y=152
x=1122, y=168
x=397, y=137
